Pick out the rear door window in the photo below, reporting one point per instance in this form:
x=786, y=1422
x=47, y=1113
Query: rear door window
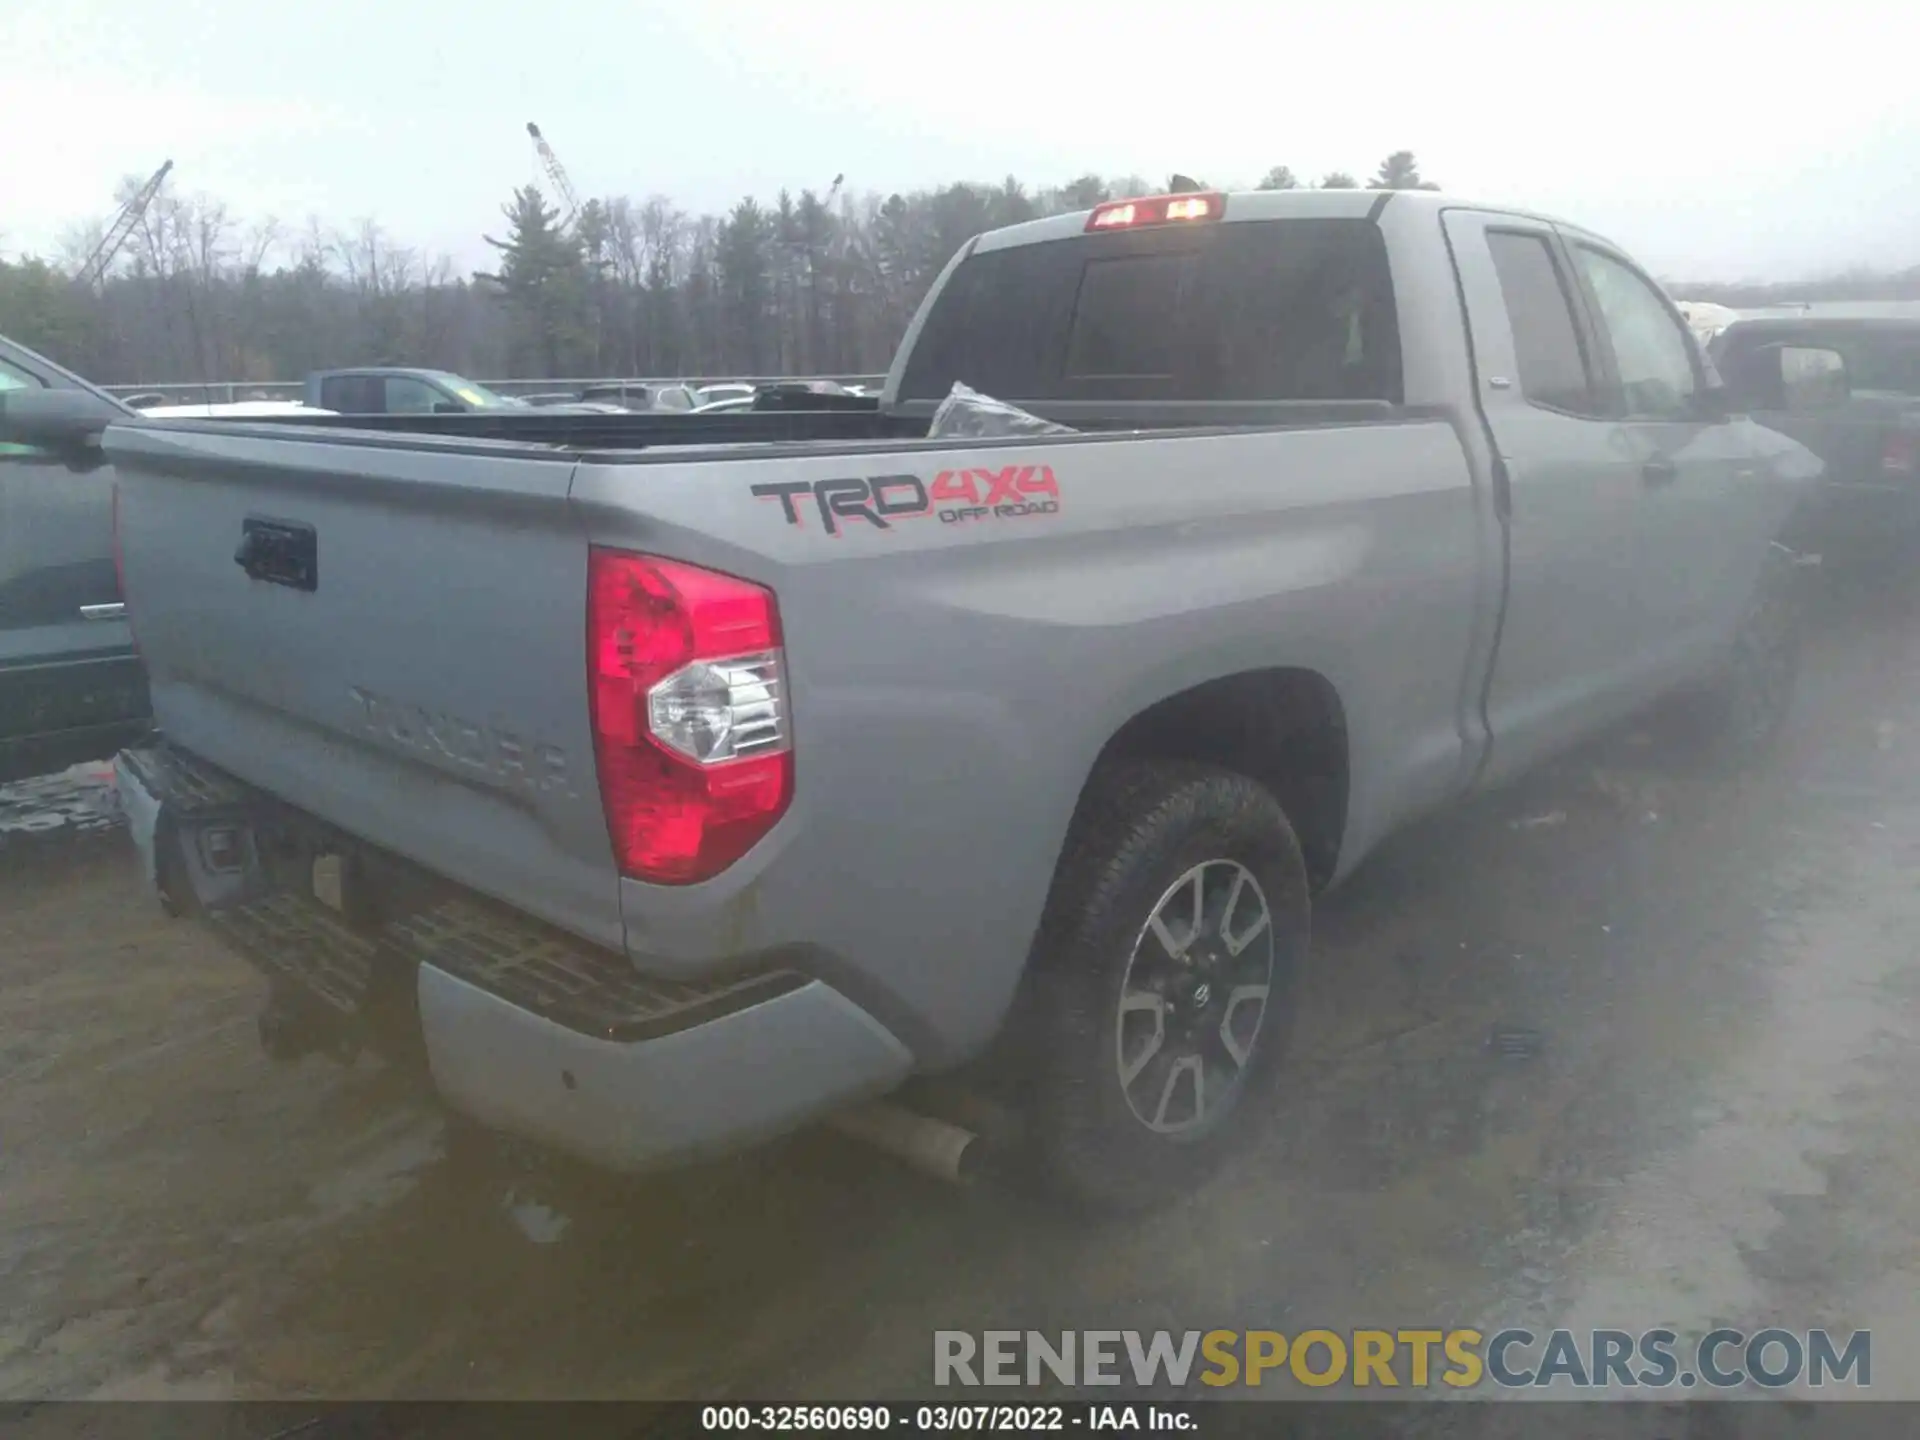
x=1555, y=370
x=353, y=394
x=1275, y=310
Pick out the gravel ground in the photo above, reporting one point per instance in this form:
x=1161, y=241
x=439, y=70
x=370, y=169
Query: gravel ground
x=1715, y=1128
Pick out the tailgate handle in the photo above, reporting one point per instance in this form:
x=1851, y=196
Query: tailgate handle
x=280, y=552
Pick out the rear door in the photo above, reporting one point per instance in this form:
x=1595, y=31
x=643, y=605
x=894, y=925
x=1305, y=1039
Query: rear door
x=66, y=658
x=1573, y=641
x=1707, y=508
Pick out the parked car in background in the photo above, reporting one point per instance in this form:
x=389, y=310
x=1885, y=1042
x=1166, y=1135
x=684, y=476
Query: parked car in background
x=678, y=398
x=398, y=390
x=235, y=410
x=71, y=688
x=877, y=749
x=793, y=395
x=1846, y=385
x=624, y=394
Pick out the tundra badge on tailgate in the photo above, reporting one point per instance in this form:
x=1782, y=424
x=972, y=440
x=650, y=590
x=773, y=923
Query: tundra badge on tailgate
x=956, y=497
x=510, y=761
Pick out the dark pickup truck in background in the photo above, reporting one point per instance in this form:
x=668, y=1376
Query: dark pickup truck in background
x=71, y=688
x=405, y=390
x=1845, y=382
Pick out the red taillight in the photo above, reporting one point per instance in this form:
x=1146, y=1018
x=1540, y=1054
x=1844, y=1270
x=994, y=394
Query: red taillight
x=1156, y=210
x=690, y=724
x=1899, y=456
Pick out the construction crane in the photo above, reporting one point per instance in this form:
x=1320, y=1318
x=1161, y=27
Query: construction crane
x=557, y=173
x=95, y=269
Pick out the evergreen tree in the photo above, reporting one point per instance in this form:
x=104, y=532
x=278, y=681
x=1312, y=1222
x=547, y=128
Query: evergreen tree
x=543, y=281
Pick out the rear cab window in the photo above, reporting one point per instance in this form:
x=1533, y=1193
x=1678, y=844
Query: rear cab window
x=1297, y=309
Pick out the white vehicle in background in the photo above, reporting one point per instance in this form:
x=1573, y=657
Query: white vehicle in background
x=709, y=395
x=1705, y=318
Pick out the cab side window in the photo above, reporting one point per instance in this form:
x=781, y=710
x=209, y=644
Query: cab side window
x=14, y=378
x=408, y=396
x=1653, y=353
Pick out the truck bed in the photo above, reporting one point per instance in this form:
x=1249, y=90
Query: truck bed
x=647, y=431
x=429, y=692
x=639, y=430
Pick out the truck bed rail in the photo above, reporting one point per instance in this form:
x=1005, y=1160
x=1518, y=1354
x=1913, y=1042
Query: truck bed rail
x=636, y=431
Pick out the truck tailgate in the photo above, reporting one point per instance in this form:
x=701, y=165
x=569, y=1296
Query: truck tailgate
x=391, y=643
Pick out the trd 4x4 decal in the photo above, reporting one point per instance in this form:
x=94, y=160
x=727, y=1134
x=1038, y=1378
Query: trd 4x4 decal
x=956, y=497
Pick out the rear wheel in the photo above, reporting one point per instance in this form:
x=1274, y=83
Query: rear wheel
x=1165, y=980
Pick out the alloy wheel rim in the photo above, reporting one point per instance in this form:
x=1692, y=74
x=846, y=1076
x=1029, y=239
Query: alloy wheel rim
x=1194, y=997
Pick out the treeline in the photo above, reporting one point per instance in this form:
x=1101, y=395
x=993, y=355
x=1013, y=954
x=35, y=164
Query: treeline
x=808, y=284
x=1851, y=287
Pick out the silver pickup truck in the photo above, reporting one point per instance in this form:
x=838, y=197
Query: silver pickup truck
x=665, y=795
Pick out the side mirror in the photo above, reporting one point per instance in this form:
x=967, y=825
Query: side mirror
x=66, y=423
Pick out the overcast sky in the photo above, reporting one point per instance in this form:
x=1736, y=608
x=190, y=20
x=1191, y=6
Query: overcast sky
x=1715, y=140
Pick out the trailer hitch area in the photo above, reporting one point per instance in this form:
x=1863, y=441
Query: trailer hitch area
x=292, y=1027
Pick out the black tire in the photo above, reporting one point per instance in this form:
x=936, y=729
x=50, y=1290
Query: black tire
x=1143, y=829
x=1736, y=719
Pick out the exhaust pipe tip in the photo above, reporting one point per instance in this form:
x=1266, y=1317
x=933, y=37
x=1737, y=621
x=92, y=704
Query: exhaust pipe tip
x=934, y=1147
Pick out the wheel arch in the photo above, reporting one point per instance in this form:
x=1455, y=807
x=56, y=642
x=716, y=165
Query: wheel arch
x=1282, y=726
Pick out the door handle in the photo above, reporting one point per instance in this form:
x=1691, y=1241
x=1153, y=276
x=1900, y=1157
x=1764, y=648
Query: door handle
x=1660, y=470
x=103, y=612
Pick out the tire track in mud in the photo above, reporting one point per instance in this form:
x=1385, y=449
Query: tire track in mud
x=1789, y=1201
